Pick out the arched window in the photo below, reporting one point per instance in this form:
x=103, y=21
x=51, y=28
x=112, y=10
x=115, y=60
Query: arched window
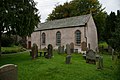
x=58, y=38
x=77, y=37
x=43, y=38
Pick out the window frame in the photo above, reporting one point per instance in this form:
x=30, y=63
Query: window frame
x=58, y=38
x=43, y=38
x=78, y=37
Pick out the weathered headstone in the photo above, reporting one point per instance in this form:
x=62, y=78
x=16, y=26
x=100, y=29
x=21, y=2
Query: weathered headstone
x=68, y=49
x=72, y=47
x=84, y=46
x=8, y=72
x=68, y=59
x=59, y=48
x=100, y=62
x=34, y=51
x=62, y=49
x=90, y=57
x=50, y=52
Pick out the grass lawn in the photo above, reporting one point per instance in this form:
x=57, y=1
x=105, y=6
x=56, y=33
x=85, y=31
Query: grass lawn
x=56, y=69
x=13, y=49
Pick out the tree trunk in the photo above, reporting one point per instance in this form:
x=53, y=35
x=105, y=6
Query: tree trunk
x=0, y=43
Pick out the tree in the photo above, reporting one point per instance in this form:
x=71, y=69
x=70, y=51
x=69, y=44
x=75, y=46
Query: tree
x=110, y=26
x=81, y=7
x=114, y=41
x=18, y=16
x=61, y=11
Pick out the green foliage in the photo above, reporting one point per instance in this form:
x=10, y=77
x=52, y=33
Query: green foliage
x=56, y=69
x=14, y=49
x=117, y=70
x=103, y=44
x=114, y=41
x=110, y=26
x=81, y=7
x=7, y=41
x=18, y=16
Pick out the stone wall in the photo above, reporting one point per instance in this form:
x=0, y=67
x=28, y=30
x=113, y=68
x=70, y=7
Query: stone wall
x=91, y=33
x=67, y=36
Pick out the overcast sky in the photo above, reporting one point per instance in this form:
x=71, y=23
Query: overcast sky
x=46, y=6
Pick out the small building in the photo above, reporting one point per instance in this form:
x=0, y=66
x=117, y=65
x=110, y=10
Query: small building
x=80, y=30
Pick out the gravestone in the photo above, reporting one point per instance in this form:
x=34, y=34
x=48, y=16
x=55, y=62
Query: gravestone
x=34, y=51
x=68, y=49
x=59, y=48
x=62, y=49
x=8, y=72
x=100, y=62
x=84, y=46
x=72, y=47
x=68, y=59
x=90, y=57
x=50, y=52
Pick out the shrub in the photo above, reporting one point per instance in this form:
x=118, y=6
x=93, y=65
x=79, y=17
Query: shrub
x=14, y=49
x=7, y=41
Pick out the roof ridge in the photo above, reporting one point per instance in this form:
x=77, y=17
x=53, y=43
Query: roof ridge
x=65, y=18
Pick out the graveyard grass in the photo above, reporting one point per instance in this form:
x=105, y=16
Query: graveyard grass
x=56, y=69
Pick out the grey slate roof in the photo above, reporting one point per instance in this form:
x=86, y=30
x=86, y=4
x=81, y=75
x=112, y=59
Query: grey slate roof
x=64, y=23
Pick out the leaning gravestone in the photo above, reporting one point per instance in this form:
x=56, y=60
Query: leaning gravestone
x=90, y=56
x=50, y=52
x=72, y=47
x=100, y=62
x=8, y=72
x=34, y=51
